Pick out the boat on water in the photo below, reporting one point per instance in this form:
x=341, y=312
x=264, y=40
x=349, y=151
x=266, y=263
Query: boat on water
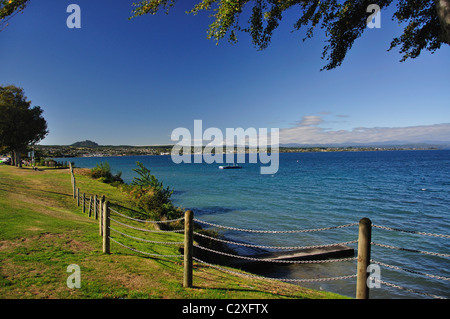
x=230, y=166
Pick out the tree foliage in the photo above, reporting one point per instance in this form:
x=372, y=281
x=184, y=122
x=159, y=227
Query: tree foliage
x=427, y=22
x=20, y=125
x=102, y=172
x=8, y=9
x=145, y=178
x=150, y=196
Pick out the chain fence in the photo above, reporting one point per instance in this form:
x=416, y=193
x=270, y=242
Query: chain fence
x=140, y=239
x=228, y=242
x=406, y=270
x=274, y=231
x=320, y=261
x=95, y=205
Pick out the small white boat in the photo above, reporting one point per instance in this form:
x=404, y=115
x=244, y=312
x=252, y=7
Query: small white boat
x=230, y=166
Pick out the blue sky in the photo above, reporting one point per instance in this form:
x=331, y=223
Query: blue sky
x=116, y=81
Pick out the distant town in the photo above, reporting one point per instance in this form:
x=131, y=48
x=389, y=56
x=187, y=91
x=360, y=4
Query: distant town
x=92, y=149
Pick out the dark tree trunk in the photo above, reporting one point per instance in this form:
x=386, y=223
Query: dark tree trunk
x=13, y=158
x=18, y=160
x=443, y=12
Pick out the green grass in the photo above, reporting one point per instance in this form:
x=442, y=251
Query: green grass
x=42, y=232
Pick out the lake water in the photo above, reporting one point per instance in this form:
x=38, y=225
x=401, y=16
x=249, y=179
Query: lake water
x=408, y=190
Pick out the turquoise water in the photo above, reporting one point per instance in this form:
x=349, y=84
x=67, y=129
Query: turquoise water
x=408, y=190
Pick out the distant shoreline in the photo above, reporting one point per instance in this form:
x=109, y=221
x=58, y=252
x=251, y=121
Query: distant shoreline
x=62, y=151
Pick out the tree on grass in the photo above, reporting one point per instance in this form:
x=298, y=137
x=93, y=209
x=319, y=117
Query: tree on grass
x=20, y=124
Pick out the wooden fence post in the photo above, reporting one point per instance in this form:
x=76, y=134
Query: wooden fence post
x=90, y=206
x=106, y=243
x=188, y=248
x=78, y=197
x=100, y=217
x=364, y=239
x=74, y=185
x=84, y=203
x=71, y=177
x=95, y=207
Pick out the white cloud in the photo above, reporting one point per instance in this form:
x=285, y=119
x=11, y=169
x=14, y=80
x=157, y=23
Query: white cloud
x=310, y=120
x=307, y=132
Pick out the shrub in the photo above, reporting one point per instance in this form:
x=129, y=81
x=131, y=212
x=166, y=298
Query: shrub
x=102, y=172
x=149, y=195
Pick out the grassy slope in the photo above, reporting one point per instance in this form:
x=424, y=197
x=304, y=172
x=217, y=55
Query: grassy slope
x=42, y=231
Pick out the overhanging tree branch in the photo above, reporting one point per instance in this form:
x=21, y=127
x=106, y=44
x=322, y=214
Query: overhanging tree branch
x=9, y=9
x=427, y=22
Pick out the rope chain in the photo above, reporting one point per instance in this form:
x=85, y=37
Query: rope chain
x=411, y=231
x=277, y=261
x=270, y=278
x=146, y=221
x=409, y=270
x=407, y=289
x=411, y=250
x=142, y=252
x=146, y=240
x=273, y=247
x=273, y=231
x=147, y=230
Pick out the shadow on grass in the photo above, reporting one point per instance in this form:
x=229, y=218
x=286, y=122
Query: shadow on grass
x=125, y=208
x=17, y=190
x=56, y=193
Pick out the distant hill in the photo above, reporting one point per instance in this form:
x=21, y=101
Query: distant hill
x=394, y=144
x=86, y=143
